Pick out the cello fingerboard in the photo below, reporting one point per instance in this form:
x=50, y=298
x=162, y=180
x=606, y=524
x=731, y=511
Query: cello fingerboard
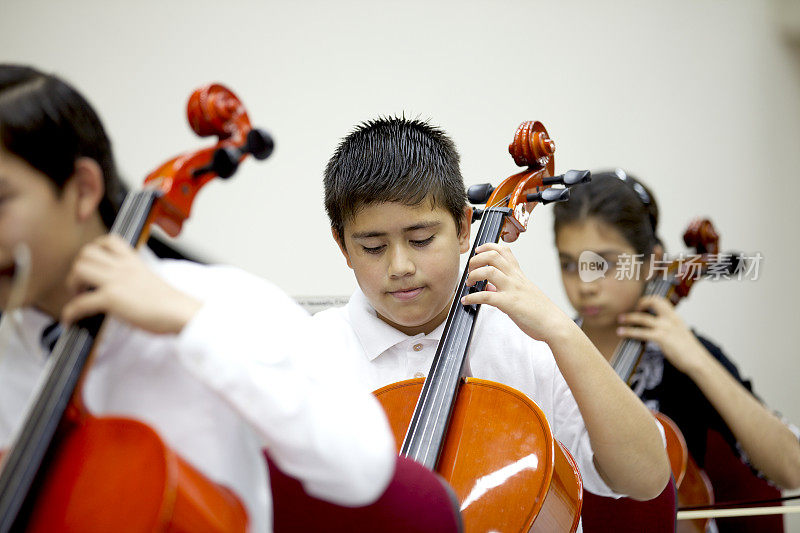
x=425, y=437
x=629, y=351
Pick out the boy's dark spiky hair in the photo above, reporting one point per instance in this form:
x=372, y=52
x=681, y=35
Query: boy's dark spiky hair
x=393, y=159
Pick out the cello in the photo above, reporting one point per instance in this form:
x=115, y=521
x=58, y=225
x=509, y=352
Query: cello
x=490, y=441
x=69, y=470
x=693, y=486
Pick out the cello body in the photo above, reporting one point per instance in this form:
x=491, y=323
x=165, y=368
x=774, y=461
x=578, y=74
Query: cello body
x=125, y=462
x=693, y=485
x=499, y=455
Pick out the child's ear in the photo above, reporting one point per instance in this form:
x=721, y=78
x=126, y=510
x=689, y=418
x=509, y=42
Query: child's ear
x=87, y=187
x=658, y=252
x=656, y=255
x=465, y=226
x=340, y=241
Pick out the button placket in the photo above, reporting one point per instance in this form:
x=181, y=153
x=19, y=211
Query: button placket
x=416, y=358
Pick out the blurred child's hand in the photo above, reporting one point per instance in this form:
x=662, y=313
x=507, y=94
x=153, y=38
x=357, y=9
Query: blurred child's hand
x=666, y=328
x=511, y=292
x=108, y=276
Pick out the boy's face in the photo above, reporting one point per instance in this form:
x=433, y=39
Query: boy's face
x=406, y=260
x=33, y=214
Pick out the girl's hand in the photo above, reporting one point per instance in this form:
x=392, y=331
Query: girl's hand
x=108, y=276
x=665, y=327
x=510, y=291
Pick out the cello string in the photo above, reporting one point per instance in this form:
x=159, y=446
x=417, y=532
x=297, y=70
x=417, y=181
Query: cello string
x=626, y=357
x=443, y=373
x=436, y=398
x=59, y=373
x=65, y=355
x=462, y=321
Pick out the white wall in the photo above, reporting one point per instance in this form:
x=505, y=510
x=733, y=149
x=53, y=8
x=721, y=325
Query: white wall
x=699, y=98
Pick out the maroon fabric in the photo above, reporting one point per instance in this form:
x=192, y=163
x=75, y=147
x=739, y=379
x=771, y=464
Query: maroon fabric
x=416, y=501
x=734, y=481
x=630, y=516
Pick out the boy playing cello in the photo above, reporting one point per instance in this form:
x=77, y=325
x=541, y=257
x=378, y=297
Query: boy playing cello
x=396, y=202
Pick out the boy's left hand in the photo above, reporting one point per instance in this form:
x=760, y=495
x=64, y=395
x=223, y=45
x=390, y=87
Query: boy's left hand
x=665, y=327
x=510, y=291
x=108, y=276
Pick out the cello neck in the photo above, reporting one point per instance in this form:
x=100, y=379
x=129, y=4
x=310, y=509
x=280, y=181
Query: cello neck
x=425, y=437
x=30, y=444
x=628, y=353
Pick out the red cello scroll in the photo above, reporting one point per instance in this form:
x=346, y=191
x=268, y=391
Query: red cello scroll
x=68, y=470
x=489, y=441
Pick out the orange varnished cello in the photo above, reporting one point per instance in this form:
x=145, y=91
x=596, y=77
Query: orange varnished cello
x=489, y=441
x=68, y=470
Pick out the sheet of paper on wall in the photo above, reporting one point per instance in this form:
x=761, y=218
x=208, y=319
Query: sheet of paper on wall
x=315, y=304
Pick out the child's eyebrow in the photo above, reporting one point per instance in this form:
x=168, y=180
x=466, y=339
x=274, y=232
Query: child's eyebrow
x=367, y=234
x=421, y=225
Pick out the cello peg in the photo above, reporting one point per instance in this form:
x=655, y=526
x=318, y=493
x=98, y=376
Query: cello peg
x=226, y=161
x=479, y=194
x=569, y=178
x=548, y=196
x=477, y=214
x=259, y=143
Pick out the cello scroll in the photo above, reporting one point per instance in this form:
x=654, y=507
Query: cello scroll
x=212, y=110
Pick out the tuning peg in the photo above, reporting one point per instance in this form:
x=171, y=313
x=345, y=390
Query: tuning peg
x=569, y=178
x=225, y=161
x=548, y=196
x=259, y=143
x=479, y=194
x=477, y=214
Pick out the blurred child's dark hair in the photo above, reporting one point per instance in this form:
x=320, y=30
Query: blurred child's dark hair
x=393, y=159
x=50, y=125
x=618, y=199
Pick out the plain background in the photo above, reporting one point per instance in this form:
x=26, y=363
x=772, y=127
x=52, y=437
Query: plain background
x=699, y=98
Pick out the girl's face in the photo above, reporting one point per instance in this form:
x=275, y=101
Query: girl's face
x=600, y=301
x=34, y=214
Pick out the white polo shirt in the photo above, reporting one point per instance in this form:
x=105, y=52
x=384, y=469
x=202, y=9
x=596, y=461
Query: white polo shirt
x=235, y=380
x=380, y=354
